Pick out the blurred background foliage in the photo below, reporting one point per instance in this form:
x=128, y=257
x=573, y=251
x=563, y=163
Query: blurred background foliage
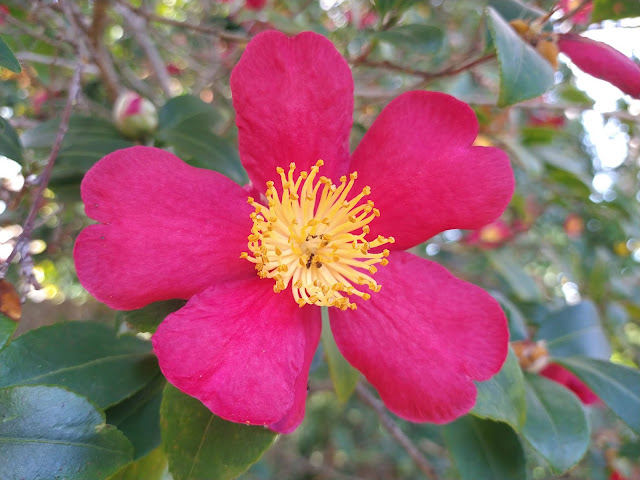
x=564, y=259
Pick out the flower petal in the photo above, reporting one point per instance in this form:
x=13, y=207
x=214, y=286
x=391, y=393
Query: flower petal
x=294, y=103
x=423, y=339
x=424, y=174
x=243, y=351
x=564, y=377
x=168, y=230
x=602, y=61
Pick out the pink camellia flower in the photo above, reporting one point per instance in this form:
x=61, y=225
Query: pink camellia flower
x=243, y=343
x=490, y=236
x=564, y=377
x=602, y=61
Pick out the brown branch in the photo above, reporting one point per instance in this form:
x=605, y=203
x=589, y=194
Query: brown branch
x=137, y=24
x=427, y=76
x=22, y=243
x=231, y=37
x=398, y=435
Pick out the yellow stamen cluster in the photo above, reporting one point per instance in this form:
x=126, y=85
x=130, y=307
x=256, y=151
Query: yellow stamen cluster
x=313, y=238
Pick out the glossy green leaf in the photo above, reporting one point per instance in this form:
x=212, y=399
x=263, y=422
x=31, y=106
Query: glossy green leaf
x=523, y=73
x=7, y=327
x=10, y=145
x=614, y=9
x=502, y=397
x=616, y=385
x=512, y=9
x=423, y=39
x=515, y=318
x=202, y=446
x=525, y=287
x=556, y=423
x=48, y=432
x=485, y=450
x=138, y=417
x=148, y=318
x=81, y=130
x=86, y=357
x=575, y=330
x=150, y=467
x=184, y=108
x=343, y=375
x=194, y=142
x=8, y=59
x=397, y=6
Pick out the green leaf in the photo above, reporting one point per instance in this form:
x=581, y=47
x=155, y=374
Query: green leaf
x=74, y=355
x=48, y=432
x=502, y=397
x=201, y=446
x=148, y=318
x=616, y=385
x=614, y=9
x=512, y=9
x=184, y=108
x=485, y=450
x=525, y=287
x=138, y=417
x=423, y=39
x=195, y=143
x=556, y=423
x=515, y=319
x=343, y=375
x=8, y=59
x=150, y=467
x=397, y=6
x=10, y=145
x=7, y=327
x=524, y=74
x=575, y=330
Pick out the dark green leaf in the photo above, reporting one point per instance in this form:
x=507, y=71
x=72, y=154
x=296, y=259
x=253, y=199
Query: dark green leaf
x=198, y=145
x=485, y=450
x=7, y=327
x=81, y=130
x=151, y=467
x=201, y=446
x=185, y=108
x=502, y=397
x=148, y=318
x=524, y=74
x=48, y=432
x=515, y=319
x=614, y=9
x=616, y=385
x=512, y=9
x=556, y=424
x=343, y=375
x=397, y=6
x=85, y=357
x=423, y=39
x=8, y=59
x=138, y=417
x=520, y=281
x=575, y=330
x=10, y=145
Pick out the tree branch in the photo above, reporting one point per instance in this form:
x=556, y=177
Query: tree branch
x=398, y=435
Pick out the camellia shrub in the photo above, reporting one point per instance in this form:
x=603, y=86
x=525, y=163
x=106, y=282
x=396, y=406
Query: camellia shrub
x=327, y=239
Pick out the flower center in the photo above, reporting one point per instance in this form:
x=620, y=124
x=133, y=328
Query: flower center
x=313, y=238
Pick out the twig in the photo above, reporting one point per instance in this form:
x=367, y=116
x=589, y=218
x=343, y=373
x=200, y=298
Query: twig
x=232, y=37
x=427, y=76
x=54, y=61
x=22, y=243
x=398, y=435
x=138, y=28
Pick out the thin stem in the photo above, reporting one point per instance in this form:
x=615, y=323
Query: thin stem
x=22, y=242
x=394, y=430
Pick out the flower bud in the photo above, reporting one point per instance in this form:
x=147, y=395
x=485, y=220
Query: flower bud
x=134, y=116
x=549, y=51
